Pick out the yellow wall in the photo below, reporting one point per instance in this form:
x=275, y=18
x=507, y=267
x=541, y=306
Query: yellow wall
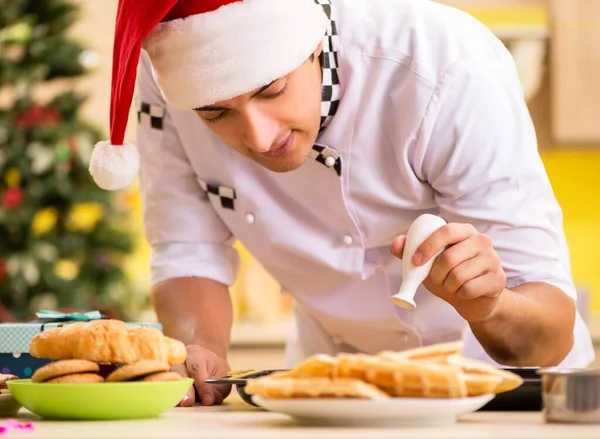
x=575, y=177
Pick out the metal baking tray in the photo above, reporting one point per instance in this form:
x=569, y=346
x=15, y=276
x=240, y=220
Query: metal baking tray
x=527, y=397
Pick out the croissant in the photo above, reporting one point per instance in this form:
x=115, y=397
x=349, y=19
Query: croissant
x=106, y=341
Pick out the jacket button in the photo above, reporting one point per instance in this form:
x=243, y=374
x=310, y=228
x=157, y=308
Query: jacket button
x=250, y=218
x=348, y=240
x=330, y=161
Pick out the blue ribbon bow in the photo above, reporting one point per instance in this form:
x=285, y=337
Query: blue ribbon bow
x=56, y=316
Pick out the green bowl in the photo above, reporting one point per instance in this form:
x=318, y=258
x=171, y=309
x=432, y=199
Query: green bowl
x=99, y=401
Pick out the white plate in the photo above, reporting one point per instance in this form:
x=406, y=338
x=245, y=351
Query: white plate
x=390, y=412
x=8, y=405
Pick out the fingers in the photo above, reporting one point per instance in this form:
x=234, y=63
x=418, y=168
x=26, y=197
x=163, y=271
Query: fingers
x=201, y=364
x=189, y=398
x=456, y=283
x=445, y=236
x=209, y=394
x=397, y=246
x=467, y=270
x=198, y=371
x=448, y=270
x=478, y=286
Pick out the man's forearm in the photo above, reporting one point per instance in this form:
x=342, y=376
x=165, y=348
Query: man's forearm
x=531, y=326
x=195, y=311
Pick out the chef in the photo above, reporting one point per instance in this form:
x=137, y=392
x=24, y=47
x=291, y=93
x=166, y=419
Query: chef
x=315, y=132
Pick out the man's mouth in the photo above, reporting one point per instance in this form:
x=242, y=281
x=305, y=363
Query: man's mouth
x=282, y=149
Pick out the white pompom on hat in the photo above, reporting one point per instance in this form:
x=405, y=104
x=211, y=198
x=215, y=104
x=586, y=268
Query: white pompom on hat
x=202, y=52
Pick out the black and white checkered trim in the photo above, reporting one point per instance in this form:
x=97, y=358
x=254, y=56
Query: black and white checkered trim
x=330, y=88
x=150, y=115
x=327, y=157
x=225, y=194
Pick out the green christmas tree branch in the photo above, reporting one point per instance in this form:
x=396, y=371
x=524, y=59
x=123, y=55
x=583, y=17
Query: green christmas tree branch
x=63, y=241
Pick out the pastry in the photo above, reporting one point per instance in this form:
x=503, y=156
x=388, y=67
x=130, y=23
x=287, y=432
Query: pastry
x=432, y=353
x=131, y=372
x=162, y=376
x=313, y=388
x=77, y=378
x=353, y=365
x=56, y=343
x=436, y=371
x=3, y=379
x=404, y=378
x=107, y=341
x=64, y=367
x=320, y=365
x=479, y=370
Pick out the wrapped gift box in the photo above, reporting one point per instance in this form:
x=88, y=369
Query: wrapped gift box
x=15, y=339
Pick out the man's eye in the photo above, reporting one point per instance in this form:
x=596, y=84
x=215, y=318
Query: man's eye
x=276, y=95
x=219, y=116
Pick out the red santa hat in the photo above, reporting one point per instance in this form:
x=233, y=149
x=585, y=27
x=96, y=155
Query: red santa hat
x=201, y=52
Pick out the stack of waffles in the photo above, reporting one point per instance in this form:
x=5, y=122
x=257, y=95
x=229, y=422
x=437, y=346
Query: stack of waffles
x=437, y=371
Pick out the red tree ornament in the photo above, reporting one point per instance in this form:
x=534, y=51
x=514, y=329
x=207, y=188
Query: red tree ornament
x=39, y=116
x=12, y=198
x=2, y=269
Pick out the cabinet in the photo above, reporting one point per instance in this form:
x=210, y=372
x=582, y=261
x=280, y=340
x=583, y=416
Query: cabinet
x=555, y=42
x=574, y=71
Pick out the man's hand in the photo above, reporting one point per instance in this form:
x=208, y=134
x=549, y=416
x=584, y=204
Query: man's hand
x=468, y=274
x=198, y=312
x=201, y=364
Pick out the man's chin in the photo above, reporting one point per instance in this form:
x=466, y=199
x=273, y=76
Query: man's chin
x=283, y=165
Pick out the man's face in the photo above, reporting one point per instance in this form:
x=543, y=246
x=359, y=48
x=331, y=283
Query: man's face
x=276, y=125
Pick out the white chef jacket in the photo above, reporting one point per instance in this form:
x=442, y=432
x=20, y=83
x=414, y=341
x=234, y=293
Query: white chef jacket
x=431, y=118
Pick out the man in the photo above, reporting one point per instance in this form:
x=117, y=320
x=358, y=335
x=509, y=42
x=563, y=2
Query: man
x=315, y=133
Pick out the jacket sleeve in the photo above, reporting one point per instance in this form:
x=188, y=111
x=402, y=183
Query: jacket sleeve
x=479, y=152
x=186, y=236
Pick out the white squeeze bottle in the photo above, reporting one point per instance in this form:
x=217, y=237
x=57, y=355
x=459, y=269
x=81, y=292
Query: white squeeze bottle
x=413, y=276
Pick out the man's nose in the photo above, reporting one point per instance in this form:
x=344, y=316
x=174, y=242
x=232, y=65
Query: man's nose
x=261, y=130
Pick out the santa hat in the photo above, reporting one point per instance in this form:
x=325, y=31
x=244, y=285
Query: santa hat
x=201, y=52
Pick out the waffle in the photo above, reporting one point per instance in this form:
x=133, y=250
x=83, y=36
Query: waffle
x=353, y=366
x=427, y=354
x=317, y=366
x=478, y=370
x=268, y=387
x=436, y=371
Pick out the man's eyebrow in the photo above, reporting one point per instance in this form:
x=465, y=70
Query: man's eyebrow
x=217, y=108
x=263, y=88
x=211, y=108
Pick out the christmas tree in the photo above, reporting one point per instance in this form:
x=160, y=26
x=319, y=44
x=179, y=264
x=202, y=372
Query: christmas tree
x=62, y=239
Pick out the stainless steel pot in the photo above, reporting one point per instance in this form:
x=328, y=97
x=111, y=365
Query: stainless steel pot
x=571, y=395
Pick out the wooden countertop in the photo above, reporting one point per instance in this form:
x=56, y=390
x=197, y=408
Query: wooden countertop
x=236, y=420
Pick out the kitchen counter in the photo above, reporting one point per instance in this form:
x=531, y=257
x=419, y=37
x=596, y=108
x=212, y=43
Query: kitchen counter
x=238, y=420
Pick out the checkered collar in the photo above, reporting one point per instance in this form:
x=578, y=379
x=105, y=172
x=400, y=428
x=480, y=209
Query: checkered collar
x=330, y=88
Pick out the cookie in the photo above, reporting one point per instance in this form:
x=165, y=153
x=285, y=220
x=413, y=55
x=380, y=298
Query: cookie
x=162, y=376
x=6, y=377
x=77, y=378
x=138, y=369
x=64, y=367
